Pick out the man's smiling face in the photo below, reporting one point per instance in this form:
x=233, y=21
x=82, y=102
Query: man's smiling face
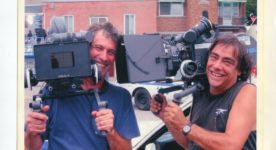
x=221, y=68
x=103, y=51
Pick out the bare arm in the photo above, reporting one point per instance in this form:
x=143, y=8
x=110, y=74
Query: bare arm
x=179, y=137
x=175, y=116
x=241, y=121
x=33, y=142
x=105, y=122
x=175, y=120
x=36, y=124
x=116, y=142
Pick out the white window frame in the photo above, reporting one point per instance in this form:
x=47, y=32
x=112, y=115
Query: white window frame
x=98, y=18
x=73, y=23
x=172, y=15
x=134, y=23
x=234, y=13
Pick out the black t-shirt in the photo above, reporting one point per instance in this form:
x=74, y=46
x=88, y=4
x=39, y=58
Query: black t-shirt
x=211, y=112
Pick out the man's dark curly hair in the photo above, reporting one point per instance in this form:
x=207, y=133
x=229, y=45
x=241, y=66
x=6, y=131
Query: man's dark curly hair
x=240, y=51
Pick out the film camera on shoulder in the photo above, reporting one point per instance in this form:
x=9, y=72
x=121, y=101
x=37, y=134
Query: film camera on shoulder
x=151, y=57
x=61, y=62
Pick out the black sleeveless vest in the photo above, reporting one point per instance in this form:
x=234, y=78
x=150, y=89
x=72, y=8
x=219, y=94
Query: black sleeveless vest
x=211, y=112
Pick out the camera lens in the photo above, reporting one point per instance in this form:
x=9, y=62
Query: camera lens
x=188, y=68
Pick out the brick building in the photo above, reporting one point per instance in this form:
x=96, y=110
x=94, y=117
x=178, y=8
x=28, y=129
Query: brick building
x=138, y=16
x=143, y=16
x=129, y=17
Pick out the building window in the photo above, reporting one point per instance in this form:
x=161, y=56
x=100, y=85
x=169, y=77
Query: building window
x=94, y=20
x=204, y=2
x=69, y=22
x=129, y=24
x=229, y=9
x=236, y=9
x=171, y=9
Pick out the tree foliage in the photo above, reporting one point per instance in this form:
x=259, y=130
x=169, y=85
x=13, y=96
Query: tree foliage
x=251, y=7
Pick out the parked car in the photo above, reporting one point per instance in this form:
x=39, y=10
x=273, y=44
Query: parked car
x=157, y=136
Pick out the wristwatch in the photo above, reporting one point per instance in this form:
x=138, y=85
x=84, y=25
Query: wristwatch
x=187, y=128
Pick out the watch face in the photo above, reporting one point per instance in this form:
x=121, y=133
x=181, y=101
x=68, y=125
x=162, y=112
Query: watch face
x=186, y=129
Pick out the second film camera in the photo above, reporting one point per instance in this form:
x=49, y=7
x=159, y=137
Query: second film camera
x=151, y=58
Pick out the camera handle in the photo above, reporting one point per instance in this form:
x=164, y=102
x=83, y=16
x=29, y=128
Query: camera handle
x=177, y=97
x=160, y=99
x=36, y=105
x=101, y=105
x=194, y=88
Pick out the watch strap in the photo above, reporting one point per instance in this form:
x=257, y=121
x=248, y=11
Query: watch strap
x=189, y=126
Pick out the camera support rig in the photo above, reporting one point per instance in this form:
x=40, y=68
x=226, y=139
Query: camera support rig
x=192, y=63
x=62, y=61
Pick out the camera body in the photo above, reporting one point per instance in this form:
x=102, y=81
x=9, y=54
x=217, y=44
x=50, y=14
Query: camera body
x=151, y=57
x=62, y=60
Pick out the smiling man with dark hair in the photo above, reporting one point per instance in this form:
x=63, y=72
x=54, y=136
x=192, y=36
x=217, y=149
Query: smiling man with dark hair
x=224, y=115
